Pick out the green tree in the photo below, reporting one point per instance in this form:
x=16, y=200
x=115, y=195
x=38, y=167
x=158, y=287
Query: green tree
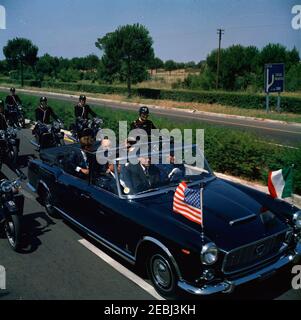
x=272, y=53
x=190, y=65
x=293, y=78
x=91, y=62
x=292, y=58
x=156, y=64
x=47, y=66
x=3, y=67
x=20, y=51
x=170, y=65
x=127, y=53
x=69, y=75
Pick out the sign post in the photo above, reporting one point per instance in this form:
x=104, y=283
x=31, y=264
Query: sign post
x=274, y=82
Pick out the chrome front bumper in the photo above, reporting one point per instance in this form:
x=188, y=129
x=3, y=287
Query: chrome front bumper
x=228, y=286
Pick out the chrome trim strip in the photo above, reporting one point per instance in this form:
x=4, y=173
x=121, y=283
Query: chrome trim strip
x=157, y=192
x=242, y=219
x=205, y=290
x=103, y=241
x=44, y=185
x=250, y=244
x=165, y=249
x=228, y=286
x=30, y=187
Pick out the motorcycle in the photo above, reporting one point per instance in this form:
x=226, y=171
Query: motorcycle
x=48, y=136
x=9, y=146
x=15, y=116
x=82, y=124
x=11, y=212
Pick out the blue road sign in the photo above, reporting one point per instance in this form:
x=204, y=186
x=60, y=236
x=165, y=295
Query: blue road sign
x=274, y=77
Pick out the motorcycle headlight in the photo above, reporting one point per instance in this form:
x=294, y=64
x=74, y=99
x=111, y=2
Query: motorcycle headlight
x=297, y=219
x=6, y=186
x=209, y=253
x=16, y=185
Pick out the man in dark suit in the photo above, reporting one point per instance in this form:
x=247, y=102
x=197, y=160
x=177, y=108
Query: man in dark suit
x=170, y=171
x=108, y=182
x=142, y=176
x=79, y=161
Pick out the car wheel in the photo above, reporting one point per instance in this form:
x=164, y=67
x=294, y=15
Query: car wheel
x=162, y=274
x=12, y=228
x=48, y=203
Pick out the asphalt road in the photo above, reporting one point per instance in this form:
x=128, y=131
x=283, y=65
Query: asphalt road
x=278, y=133
x=55, y=265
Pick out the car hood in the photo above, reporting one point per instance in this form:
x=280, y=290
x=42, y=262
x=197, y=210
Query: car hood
x=223, y=203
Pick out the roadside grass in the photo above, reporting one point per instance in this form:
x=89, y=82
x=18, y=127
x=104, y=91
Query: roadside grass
x=229, y=151
x=214, y=108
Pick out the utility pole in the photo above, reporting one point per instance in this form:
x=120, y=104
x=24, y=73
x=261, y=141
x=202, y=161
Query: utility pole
x=220, y=32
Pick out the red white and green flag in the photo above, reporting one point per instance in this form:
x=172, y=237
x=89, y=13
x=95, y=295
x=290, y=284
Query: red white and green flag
x=280, y=183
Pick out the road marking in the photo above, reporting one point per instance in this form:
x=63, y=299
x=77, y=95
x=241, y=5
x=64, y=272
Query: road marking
x=121, y=269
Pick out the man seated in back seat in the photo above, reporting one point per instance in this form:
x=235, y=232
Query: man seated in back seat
x=78, y=163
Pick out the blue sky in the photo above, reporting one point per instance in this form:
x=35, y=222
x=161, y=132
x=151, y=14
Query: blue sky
x=182, y=30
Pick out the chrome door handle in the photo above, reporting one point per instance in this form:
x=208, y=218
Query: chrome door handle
x=84, y=195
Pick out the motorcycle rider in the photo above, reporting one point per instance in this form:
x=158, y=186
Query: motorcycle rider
x=143, y=122
x=3, y=123
x=12, y=101
x=82, y=110
x=44, y=112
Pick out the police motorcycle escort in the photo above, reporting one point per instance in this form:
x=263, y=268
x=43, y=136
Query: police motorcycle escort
x=9, y=146
x=82, y=112
x=47, y=134
x=14, y=110
x=11, y=212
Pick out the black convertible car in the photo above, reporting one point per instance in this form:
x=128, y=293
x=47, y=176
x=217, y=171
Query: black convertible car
x=247, y=235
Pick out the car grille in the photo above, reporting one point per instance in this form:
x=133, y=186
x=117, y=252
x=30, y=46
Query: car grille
x=250, y=255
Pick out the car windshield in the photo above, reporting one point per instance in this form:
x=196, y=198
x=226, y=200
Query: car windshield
x=162, y=170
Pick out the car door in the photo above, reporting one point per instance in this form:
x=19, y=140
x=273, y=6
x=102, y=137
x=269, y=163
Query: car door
x=72, y=195
x=110, y=218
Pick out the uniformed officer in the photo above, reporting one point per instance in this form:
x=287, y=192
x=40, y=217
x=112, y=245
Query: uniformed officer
x=143, y=122
x=82, y=110
x=44, y=112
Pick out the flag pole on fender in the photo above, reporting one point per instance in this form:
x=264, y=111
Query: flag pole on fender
x=201, y=200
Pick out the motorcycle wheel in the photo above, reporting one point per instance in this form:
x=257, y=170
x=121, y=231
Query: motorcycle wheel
x=12, y=229
x=13, y=155
x=22, y=123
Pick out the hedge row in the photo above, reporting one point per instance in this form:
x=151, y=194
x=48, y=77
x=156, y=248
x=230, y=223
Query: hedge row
x=241, y=100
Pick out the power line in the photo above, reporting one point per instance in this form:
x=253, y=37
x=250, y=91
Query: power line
x=220, y=32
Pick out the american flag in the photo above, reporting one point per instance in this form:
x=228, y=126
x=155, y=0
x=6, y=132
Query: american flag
x=188, y=202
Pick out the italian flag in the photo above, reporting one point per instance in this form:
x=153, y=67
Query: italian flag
x=280, y=183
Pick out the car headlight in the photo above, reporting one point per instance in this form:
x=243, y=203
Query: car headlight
x=297, y=219
x=209, y=253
